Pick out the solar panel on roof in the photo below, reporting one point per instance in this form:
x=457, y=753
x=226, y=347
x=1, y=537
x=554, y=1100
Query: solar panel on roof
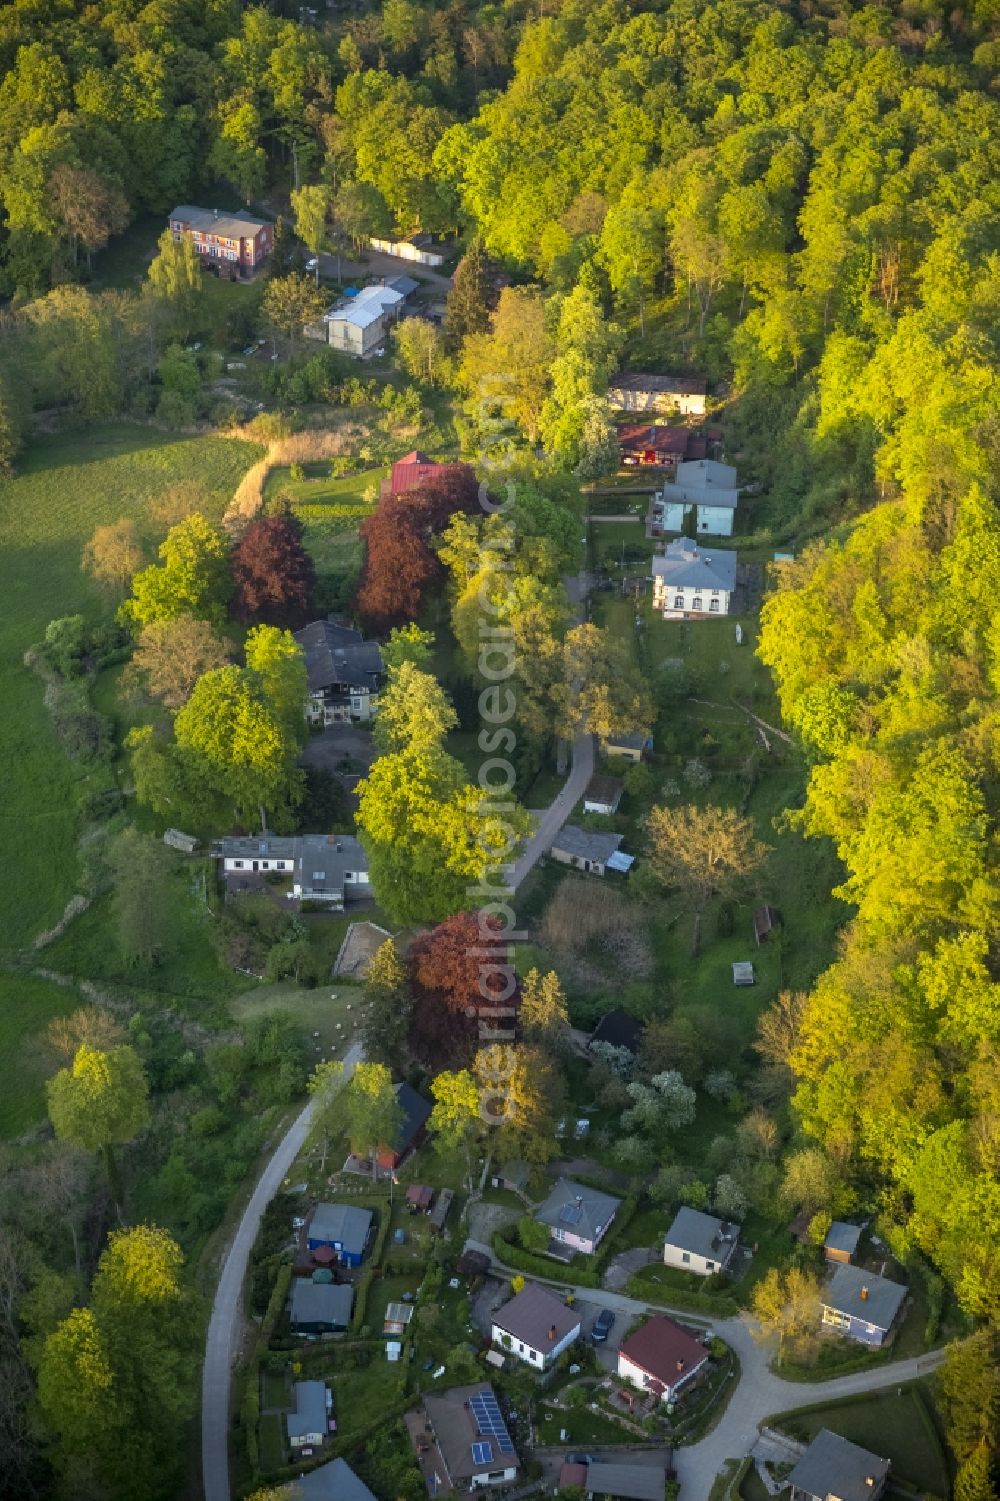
x=482, y=1452
x=489, y=1420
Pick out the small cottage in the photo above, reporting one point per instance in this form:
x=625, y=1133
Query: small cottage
x=578, y=1217
x=661, y=1357
x=834, y=1467
x=603, y=795
x=536, y=1326
x=765, y=920
x=699, y=1243
x=842, y=1241
x=320, y=1307
x=861, y=1305
x=584, y=849
x=343, y=1228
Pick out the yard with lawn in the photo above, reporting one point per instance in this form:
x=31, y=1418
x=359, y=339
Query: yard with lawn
x=318, y=486
x=899, y=1425
x=581, y=1426
x=66, y=485
x=333, y=1010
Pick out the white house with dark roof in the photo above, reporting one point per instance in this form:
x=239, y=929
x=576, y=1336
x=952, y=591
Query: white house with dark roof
x=861, y=1305
x=461, y=1440
x=661, y=1357
x=635, y=391
x=603, y=795
x=536, y=1326
x=699, y=1243
x=578, y=1217
x=308, y=1424
x=690, y=581
x=344, y=673
x=834, y=1469
x=586, y=849
x=323, y=867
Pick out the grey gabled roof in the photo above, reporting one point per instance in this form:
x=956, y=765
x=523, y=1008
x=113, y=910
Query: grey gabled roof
x=702, y=1234
x=344, y=1222
x=335, y=1481
x=404, y=284
x=843, y=1237
x=833, y=1466
x=310, y=1409
x=321, y=1302
x=629, y=1482
x=585, y=845
x=685, y=565
x=532, y=1314
x=675, y=385
x=700, y=495
x=880, y=1304
x=567, y=1197
x=706, y=474
x=338, y=654
x=320, y=861
x=233, y=226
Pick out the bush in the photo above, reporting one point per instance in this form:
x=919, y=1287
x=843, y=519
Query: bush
x=539, y=1266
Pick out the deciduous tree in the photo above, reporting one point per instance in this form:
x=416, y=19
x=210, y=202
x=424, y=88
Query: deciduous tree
x=114, y=555
x=100, y=1102
x=371, y=1112
x=289, y=303
x=273, y=575
x=703, y=852
x=171, y=655
x=192, y=577
x=141, y=868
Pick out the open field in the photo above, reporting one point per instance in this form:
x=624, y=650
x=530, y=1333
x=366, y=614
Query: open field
x=317, y=488
x=26, y=1006
x=67, y=484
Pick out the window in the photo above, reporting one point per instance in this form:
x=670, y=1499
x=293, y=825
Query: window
x=710, y=1266
x=679, y=602
x=696, y=603
x=265, y=864
x=238, y=864
x=713, y=604
x=685, y=1257
x=836, y=1318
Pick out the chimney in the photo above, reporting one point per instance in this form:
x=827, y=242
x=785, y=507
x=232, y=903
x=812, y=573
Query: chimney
x=870, y=1480
x=552, y=1331
x=215, y=213
x=864, y=1295
x=680, y=1365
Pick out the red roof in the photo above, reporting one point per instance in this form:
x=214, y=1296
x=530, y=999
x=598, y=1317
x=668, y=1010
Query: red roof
x=411, y=470
x=664, y=1350
x=697, y=448
x=572, y=1474
x=663, y=439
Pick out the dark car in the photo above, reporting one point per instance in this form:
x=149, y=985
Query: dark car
x=602, y=1326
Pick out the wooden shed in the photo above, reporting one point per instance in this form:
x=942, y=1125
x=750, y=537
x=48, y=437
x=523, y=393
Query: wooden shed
x=765, y=920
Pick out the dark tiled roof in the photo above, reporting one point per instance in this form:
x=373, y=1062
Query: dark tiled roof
x=415, y=1111
x=864, y=1295
x=573, y=1206
x=702, y=1234
x=584, y=844
x=833, y=1466
x=338, y=654
x=532, y=1313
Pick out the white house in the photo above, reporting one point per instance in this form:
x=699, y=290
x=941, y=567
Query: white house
x=661, y=1357
x=535, y=1326
x=699, y=1243
x=638, y=392
x=461, y=1440
x=713, y=515
x=689, y=580
x=358, y=325
x=344, y=673
x=602, y=795
x=323, y=867
x=309, y=1424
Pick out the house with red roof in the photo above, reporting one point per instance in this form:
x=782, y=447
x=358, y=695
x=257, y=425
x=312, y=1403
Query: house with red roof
x=661, y=1358
x=415, y=469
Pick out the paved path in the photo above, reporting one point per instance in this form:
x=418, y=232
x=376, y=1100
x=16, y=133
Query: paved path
x=560, y=808
x=759, y=1393
x=222, y=1340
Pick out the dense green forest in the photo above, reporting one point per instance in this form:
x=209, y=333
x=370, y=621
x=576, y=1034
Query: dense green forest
x=800, y=201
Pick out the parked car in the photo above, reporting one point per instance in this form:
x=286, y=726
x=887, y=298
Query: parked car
x=603, y=1325
x=312, y=263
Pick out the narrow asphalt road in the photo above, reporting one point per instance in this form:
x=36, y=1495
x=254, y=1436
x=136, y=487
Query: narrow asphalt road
x=560, y=808
x=760, y=1392
x=221, y=1341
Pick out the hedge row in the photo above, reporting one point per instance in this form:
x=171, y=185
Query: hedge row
x=332, y=514
x=717, y=1304
x=275, y=1305
x=541, y=1266
x=623, y=1219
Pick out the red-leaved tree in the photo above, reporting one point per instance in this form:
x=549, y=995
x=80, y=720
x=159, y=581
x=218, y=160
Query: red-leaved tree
x=274, y=575
x=399, y=566
x=456, y=977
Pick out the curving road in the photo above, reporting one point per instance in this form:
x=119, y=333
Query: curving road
x=759, y=1394
x=556, y=814
x=222, y=1339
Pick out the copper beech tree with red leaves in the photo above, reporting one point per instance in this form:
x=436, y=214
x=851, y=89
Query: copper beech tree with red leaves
x=399, y=564
x=446, y=967
x=273, y=573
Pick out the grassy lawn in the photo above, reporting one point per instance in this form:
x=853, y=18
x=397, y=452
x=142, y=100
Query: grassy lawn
x=897, y=1427
x=359, y=1395
x=582, y=1427
x=386, y=1290
x=26, y=1007
x=271, y=1435
x=317, y=488
x=318, y=1010
x=276, y=1391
